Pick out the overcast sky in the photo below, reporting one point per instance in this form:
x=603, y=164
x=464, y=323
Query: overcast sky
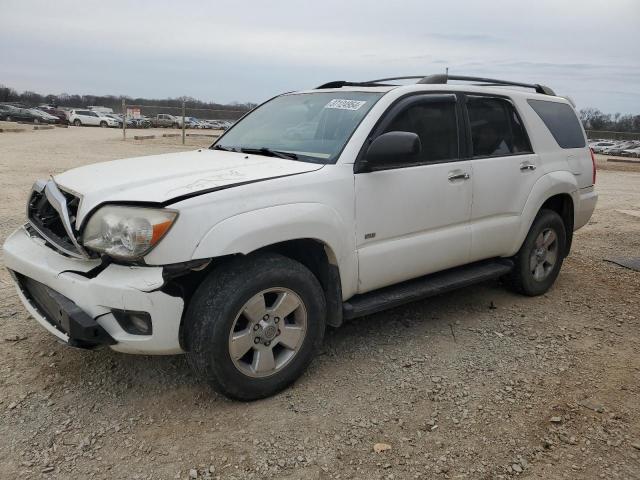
x=251, y=50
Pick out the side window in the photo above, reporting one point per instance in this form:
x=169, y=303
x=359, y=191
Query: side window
x=562, y=122
x=436, y=125
x=496, y=129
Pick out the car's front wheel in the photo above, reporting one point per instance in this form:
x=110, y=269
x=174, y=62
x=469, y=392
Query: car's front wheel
x=103, y=125
x=538, y=262
x=254, y=325
x=77, y=122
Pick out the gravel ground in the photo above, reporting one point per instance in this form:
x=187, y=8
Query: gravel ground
x=479, y=383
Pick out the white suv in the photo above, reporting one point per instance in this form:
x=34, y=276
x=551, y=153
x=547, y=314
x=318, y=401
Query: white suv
x=89, y=117
x=318, y=206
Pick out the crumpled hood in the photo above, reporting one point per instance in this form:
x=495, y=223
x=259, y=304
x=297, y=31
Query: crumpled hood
x=162, y=178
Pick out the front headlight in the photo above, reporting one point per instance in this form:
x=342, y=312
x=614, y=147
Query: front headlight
x=127, y=233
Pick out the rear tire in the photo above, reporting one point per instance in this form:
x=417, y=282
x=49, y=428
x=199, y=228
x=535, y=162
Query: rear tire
x=540, y=258
x=233, y=325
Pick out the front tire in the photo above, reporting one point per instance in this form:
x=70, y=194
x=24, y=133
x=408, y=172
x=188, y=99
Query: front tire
x=540, y=258
x=77, y=122
x=254, y=325
x=103, y=125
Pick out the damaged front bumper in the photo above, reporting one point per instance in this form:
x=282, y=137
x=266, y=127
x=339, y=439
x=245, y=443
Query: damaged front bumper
x=75, y=299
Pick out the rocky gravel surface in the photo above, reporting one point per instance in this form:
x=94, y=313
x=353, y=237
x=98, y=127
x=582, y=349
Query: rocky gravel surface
x=479, y=383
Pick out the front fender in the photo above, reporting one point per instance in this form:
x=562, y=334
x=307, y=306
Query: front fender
x=550, y=184
x=250, y=231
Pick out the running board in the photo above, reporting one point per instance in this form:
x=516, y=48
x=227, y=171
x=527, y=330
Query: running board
x=424, y=287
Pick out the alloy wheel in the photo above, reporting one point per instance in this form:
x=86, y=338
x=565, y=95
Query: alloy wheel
x=544, y=254
x=268, y=332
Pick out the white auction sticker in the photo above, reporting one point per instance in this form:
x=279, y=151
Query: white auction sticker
x=342, y=104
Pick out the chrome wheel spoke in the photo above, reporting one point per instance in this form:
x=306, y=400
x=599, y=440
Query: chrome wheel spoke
x=538, y=273
x=241, y=342
x=552, y=256
x=255, y=308
x=285, y=304
x=549, y=238
x=533, y=262
x=540, y=240
x=263, y=361
x=291, y=336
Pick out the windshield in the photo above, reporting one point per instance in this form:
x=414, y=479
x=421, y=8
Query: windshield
x=309, y=126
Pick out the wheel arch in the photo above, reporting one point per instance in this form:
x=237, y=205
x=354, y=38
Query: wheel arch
x=314, y=254
x=562, y=204
x=557, y=191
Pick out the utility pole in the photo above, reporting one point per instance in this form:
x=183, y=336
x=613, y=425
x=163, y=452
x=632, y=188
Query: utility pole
x=183, y=123
x=124, y=120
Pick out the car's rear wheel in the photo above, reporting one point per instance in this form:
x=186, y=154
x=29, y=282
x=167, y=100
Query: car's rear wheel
x=254, y=325
x=540, y=258
x=77, y=122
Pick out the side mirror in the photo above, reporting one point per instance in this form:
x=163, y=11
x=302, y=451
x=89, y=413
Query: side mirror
x=391, y=147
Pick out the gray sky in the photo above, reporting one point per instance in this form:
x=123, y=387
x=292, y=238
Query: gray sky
x=250, y=50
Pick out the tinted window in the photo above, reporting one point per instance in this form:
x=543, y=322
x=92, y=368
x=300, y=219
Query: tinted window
x=496, y=129
x=435, y=124
x=562, y=122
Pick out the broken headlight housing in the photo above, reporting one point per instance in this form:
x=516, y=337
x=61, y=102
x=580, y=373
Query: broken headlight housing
x=127, y=233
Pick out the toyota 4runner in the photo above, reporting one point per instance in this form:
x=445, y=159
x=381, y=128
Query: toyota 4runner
x=316, y=207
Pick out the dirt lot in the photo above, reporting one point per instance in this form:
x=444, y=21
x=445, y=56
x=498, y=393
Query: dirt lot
x=480, y=383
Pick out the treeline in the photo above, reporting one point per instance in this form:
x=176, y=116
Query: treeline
x=594, y=119
x=33, y=99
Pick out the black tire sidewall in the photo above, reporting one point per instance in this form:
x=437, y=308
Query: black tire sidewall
x=218, y=300
x=529, y=285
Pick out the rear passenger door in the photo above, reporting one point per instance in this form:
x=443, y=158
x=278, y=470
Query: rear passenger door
x=504, y=172
x=412, y=214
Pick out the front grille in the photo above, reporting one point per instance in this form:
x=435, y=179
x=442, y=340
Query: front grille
x=49, y=223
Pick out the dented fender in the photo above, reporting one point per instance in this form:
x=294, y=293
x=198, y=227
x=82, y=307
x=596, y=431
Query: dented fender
x=250, y=231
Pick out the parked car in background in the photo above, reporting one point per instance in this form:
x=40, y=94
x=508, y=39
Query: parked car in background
x=164, y=120
x=43, y=117
x=56, y=112
x=618, y=148
x=118, y=118
x=87, y=117
x=631, y=152
x=140, y=122
x=598, y=147
x=12, y=113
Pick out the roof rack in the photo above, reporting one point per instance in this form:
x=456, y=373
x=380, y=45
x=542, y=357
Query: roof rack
x=441, y=79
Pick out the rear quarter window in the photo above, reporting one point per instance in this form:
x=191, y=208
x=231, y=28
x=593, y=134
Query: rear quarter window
x=562, y=122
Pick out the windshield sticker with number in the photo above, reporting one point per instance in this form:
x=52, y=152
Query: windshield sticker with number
x=342, y=104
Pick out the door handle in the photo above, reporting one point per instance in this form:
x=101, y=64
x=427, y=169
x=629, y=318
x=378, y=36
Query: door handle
x=527, y=166
x=453, y=176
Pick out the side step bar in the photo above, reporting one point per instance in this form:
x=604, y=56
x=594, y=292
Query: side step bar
x=424, y=287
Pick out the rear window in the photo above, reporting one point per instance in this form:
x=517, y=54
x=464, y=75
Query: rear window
x=562, y=122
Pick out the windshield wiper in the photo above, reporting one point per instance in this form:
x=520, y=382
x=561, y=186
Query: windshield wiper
x=226, y=149
x=269, y=152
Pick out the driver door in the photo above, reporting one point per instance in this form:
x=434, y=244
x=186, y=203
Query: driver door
x=412, y=214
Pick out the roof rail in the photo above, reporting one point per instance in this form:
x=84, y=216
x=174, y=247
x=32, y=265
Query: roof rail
x=440, y=79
